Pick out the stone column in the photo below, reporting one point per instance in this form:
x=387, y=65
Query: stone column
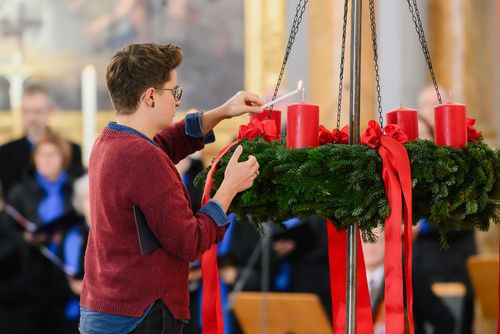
x=463, y=52
x=265, y=23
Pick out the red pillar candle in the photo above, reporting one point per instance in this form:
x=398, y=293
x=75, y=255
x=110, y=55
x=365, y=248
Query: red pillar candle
x=406, y=119
x=302, y=125
x=275, y=116
x=450, y=125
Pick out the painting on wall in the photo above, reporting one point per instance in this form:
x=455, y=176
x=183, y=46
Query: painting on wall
x=55, y=39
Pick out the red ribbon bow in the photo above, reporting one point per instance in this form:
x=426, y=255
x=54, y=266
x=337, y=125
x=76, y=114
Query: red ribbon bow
x=396, y=174
x=256, y=128
x=472, y=134
x=336, y=136
x=373, y=133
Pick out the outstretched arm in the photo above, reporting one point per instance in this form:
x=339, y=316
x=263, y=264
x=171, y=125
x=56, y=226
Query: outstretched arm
x=241, y=103
x=190, y=135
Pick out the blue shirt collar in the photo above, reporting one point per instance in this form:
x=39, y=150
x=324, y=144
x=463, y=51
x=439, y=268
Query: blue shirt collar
x=123, y=128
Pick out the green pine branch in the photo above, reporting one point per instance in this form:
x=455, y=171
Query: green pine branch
x=454, y=189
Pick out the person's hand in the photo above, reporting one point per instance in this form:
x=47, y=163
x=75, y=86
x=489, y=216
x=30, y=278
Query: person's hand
x=414, y=232
x=229, y=274
x=194, y=275
x=242, y=103
x=239, y=176
x=34, y=239
x=75, y=285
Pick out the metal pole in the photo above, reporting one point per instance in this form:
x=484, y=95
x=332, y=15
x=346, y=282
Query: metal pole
x=352, y=230
x=266, y=264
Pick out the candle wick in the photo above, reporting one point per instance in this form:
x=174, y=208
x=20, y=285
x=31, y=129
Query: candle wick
x=401, y=104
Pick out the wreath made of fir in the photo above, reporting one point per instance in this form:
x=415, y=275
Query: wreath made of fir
x=456, y=189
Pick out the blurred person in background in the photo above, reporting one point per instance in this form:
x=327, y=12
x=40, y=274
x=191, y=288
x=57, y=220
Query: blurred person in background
x=15, y=156
x=72, y=251
x=18, y=288
x=303, y=253
x=433, y=263
x=45, y=199
x=428, y=309
x=127, y=287
x=374, y=261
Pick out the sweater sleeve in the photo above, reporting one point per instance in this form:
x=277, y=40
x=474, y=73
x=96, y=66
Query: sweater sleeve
x=184, y=137
x=180, y=232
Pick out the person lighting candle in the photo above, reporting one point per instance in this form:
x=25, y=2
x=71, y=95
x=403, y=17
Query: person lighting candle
x=132, y=171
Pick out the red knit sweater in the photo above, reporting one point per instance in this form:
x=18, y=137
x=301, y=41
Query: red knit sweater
x=127, y=170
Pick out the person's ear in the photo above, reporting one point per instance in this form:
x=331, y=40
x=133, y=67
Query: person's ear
x=149, y=97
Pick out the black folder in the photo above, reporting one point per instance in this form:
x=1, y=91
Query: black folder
x=147, y=239
x=60, y=224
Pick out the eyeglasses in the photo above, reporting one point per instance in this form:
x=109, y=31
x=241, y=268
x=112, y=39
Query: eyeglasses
x=176, y=91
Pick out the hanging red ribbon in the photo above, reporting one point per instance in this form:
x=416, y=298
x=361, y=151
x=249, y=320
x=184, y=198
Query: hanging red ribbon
x=336, y=136
x=472, y=134
x=211, y=316
x=397, y=179
x=337, y=256
x=212, y=321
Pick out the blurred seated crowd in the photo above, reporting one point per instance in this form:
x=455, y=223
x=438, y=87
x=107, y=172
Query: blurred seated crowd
x=44, y=224
x=45, y=219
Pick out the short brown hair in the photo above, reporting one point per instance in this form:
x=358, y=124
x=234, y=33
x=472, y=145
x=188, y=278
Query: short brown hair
x=137, y=67
x=63, y=146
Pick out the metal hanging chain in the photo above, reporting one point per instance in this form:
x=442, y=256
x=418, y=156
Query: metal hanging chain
x=342, y=60
x=299, y=12
x=373, y=25
x=415, y=15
